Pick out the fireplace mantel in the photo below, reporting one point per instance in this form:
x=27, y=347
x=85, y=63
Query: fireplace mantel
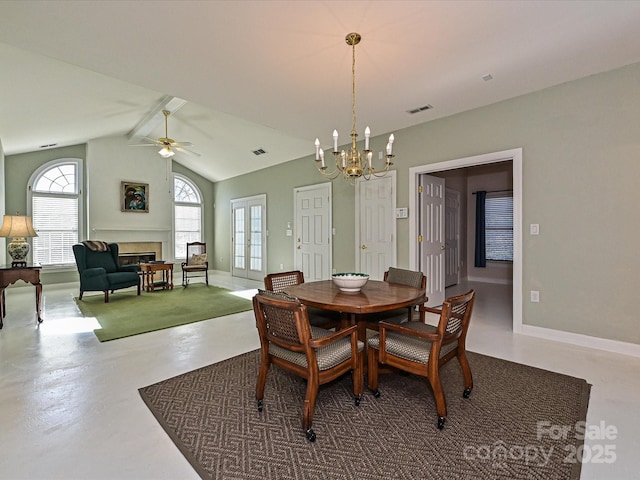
x=136, y=239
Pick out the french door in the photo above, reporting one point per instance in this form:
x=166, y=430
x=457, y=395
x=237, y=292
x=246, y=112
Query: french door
x=248, y=237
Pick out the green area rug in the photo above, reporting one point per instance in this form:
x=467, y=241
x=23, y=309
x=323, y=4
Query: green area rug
x=127, y=314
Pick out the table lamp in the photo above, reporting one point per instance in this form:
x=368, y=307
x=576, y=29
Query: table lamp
x=18, y=227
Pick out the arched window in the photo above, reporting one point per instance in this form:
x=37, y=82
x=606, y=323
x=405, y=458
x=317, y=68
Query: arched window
x=56, y=209
x=187, y=214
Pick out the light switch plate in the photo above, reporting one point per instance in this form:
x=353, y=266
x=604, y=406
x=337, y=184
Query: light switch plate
x=534, y=229
x=402, y=212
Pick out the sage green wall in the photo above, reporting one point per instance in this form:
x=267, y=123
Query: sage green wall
x=581, y=165
x=107, y=161
x=3, y=243
x=278, y=183
x=18, y=170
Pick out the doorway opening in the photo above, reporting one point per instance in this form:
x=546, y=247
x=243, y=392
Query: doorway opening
x=515, y=156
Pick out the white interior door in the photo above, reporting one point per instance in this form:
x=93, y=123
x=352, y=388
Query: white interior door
x=431, y=249
x=313, y=231
x=376, y=225
x=452, y=237
x=248, y=237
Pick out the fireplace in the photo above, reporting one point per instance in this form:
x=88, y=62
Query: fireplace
x=132, y=253
x=134, y=258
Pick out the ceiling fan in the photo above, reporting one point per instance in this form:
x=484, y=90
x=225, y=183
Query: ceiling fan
x=168, y=146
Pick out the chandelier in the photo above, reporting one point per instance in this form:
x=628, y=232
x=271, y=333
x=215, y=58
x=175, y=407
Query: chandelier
x=353, y=163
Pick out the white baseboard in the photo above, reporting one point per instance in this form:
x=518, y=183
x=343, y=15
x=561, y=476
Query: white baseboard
x=608, y=345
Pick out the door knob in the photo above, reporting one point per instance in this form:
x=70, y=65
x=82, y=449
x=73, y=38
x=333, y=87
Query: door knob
x=443, y=247
x=363, y=247
x=299, y=247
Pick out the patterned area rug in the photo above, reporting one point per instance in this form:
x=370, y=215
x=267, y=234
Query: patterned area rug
x=503, y=431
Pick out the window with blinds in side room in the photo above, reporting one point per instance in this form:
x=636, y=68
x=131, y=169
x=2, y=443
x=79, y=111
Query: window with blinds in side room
x=499, y=227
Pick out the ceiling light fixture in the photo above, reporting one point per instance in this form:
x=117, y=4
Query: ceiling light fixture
x=353, y=163
x=166, y=152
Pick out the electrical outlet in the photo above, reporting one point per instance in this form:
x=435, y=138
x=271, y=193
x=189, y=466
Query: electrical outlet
x=535, y=296
x=281, y=266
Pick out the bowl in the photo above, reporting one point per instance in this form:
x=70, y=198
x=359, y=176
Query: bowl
x=350, y=282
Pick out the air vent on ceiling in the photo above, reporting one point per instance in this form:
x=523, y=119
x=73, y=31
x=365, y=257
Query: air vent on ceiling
x=48, y=145
x=419, y=109
x=259, y=151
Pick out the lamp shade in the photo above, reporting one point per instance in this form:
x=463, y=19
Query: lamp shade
x=17, y=226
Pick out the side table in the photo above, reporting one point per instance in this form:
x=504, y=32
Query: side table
x=29, y=274
x=148, y=271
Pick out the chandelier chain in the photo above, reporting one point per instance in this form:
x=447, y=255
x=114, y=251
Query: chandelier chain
x=353, y=92
x=353, y=163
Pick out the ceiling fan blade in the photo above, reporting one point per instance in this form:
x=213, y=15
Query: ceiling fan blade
x=152, y=142
x=187, y=151
x=182, y=144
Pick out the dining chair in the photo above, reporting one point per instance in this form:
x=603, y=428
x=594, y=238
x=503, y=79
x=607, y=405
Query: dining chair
x=401, y=276
x=277, y=282
x=196, y=262
x=422, y=349
x=288, y=341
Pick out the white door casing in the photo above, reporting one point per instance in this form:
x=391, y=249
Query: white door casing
x=313, y=231
x=431, y=236
x=515, y=155
x=451, y=237
x=376, y=225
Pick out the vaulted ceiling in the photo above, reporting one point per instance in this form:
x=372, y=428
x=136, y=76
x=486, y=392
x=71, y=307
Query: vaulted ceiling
x=274, y=75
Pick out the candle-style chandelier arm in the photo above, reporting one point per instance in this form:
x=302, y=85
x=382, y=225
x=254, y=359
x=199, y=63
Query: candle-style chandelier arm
x=353, y=163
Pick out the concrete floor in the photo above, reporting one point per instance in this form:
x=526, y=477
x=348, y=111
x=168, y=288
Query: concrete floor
x=70, y=409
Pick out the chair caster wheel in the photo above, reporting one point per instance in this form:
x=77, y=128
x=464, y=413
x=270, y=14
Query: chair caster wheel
x=357, y=401
x=311, y=435
x=260, y=405
x=376, y=394
x=440, y=423
x=466, y=393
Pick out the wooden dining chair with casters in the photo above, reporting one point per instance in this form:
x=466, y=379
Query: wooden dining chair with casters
x=422, y=349
x=410, y=278
x=277, y=282
x=288, y=341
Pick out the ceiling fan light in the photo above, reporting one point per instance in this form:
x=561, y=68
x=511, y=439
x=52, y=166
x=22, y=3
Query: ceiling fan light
x=166, y=152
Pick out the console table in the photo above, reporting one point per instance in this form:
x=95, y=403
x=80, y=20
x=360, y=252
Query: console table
x=148, y=271
x=29, y=274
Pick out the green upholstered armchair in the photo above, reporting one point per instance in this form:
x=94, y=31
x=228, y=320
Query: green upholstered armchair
x=100, y=271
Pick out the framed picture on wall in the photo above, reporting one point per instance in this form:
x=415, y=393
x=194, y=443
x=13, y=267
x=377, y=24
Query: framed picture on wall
x=134, y=197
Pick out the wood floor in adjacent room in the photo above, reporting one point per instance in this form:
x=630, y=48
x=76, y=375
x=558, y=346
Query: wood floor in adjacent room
x=69, y=405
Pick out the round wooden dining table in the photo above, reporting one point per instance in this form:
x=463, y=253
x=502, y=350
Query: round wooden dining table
x=375, y=296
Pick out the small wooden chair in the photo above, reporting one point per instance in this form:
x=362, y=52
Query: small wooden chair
x=277, y=282
x=288, y=341
x=196, y=262
x=422, y=349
